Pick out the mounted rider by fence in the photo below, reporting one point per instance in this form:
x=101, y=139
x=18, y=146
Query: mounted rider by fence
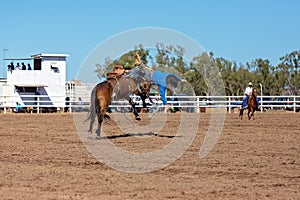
x=248, y=93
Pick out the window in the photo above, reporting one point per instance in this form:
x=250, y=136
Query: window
x=54, y=67
x=37, y=65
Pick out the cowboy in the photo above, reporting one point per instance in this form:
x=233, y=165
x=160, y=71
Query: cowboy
x=163, y=80
x=248, y=92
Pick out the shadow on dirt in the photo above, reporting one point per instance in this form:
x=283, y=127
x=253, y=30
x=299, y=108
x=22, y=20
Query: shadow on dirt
x=137, y=135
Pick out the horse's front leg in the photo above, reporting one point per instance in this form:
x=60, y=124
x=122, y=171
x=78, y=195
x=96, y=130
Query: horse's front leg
x=144, y=102
x=150, y=100
x=136, y=114
x=252, y=113
x=249, y=116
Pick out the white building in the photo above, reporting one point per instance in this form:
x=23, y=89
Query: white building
x=76, y=90
x=47, y=77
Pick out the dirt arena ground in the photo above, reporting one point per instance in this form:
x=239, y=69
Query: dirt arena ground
x=42, y=157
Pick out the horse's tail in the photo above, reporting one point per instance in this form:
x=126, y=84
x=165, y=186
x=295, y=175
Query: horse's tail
x=94, y=108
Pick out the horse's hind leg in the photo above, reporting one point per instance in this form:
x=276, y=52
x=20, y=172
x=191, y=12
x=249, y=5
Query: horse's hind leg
x=249, y=116
x=106, y=116
x=100, y=120
x=100, y=115
x=241, y=113
x=92, y=120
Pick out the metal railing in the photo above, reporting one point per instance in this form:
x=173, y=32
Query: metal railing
x=291, y=103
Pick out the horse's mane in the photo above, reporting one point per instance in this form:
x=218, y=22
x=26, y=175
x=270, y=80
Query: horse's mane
x=253, y=96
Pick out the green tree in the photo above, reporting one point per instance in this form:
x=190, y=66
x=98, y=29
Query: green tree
x=263, y=72
x=289, y=66
x=170, y=57
x=127, y=60
x=203, y=75
x=243, y=77
x=228, y=72
x=103, y=69
x=204, y=71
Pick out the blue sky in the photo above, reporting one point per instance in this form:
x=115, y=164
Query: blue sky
x=237, y=30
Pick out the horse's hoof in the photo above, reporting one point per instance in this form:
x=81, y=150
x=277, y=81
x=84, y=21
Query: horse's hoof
x=138, y=118
x=98, y=137
x=106, y=116
x=98, y=133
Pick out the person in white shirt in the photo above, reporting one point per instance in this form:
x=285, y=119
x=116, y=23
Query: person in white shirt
x=18, y=67
x=248, y=92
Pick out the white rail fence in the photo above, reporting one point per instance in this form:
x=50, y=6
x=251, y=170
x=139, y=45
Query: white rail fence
x=187, y=103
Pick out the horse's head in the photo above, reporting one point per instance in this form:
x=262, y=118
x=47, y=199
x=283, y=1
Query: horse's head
x=145, y=89
x=111, y=75
x=112, y=78
x=254, y=92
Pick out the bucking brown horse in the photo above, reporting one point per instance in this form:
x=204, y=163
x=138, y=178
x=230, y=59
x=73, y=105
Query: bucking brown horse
x=115, y=88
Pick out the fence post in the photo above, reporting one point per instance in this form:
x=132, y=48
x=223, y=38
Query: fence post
x=261, y=98
x=38, y=104
x=229, y=104
x=70, y=107
x=294, y=103
x=198, y=105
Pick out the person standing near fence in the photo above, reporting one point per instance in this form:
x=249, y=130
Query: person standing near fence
x=79, y=104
